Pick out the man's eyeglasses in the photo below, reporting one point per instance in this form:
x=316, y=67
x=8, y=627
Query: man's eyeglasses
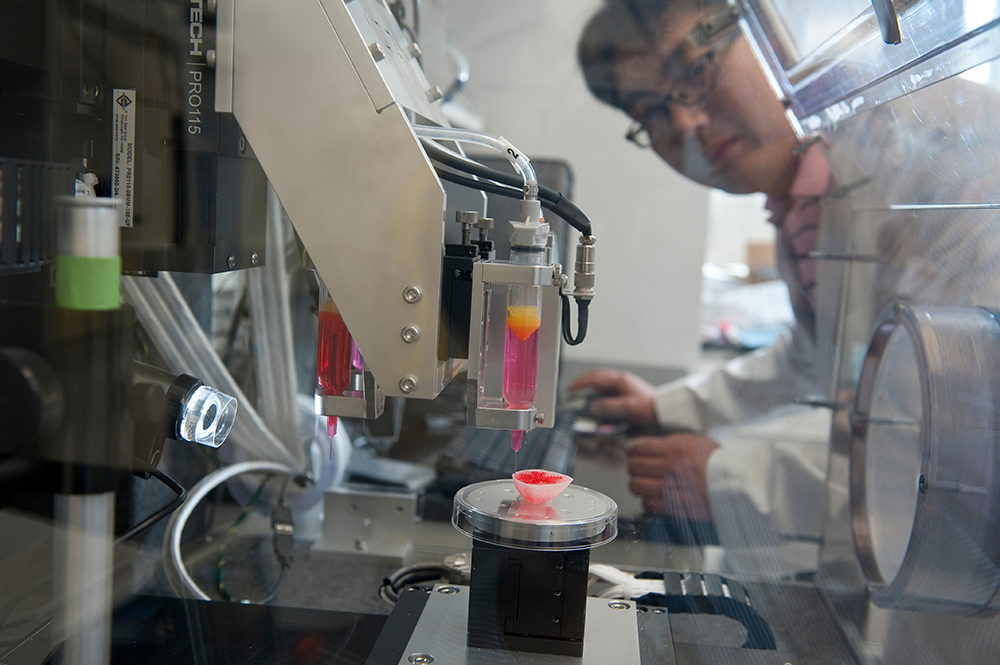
x=693, y=70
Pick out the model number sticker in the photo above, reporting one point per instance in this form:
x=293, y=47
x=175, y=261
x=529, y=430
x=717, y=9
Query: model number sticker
x=123, y=150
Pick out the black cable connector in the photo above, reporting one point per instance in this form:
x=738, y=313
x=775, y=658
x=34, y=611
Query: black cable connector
x=583, y=317
x=162, y=512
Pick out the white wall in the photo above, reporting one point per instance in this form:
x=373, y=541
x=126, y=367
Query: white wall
x=733, y=221
x=649, y=222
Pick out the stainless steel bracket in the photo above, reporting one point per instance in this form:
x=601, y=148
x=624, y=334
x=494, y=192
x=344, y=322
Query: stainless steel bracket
x=489, y=411
x=367, y=403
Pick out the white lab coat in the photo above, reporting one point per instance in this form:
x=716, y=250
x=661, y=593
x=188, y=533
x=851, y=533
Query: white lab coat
x=768, y=486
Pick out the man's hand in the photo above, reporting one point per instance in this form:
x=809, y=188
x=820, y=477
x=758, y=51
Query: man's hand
x=626, y=396
x=668, y=473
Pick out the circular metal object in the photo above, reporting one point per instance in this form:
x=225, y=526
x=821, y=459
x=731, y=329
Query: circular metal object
x=410, y=334
x=254, y=258
x=420, y=658
x=231, y=262
x=408, y=384
x=493, y=512
x=447, y=590
x=540, y=418
x=210, y=58
x=243, y=144
x=619, y=605
x=412, y=294
x=924, y=461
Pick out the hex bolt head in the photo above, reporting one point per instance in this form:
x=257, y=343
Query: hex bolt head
x=410, y=334
x=254, y=259
x=619, y=605
x=231, y=262
x=412, y=294
x=408, y=384
x=447, y=590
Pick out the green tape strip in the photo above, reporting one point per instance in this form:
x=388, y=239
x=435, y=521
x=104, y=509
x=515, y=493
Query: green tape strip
x=87, y=282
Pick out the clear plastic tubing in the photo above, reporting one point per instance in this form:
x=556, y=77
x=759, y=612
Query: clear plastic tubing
x=501, y=145
x=333, y=353
x=524, y=303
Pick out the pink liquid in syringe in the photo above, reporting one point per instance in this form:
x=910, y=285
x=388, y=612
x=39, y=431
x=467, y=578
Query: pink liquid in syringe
x=520, y=362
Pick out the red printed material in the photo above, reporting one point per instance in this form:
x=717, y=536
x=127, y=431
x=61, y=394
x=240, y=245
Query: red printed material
x=539, y=485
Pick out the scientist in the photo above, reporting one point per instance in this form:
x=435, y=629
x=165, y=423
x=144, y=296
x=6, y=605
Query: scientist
x=744, y=452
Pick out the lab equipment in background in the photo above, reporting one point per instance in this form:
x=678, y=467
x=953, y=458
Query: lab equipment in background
x=170, y=406
x=925, y=494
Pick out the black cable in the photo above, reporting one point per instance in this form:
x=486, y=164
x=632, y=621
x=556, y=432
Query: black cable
x=484, y=185
x=162, y=512
x=558, y=203
x=583, y=317
x=562, y=208
x=395, y=582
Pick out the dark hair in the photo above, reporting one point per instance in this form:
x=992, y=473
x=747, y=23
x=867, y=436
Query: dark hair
x=622, y=27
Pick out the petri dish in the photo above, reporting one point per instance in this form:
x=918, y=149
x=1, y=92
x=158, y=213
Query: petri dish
x=493, y=512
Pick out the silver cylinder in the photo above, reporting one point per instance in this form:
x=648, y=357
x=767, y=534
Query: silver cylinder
x=586, y=266
x=88, y=226
x=82, y=576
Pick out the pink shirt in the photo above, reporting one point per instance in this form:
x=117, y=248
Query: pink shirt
x=797, y=221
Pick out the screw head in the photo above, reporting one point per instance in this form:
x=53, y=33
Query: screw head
x=420, y=658
x=210, y=58
x=414, y=50
x=447, y=590
x=231, y=262
x=540, y=418
x=410, y=334
x=412, y=294
x=408, y=384
x=254, y=258
x=922, y=484
x=243, y=144
x=360, y=544
x=376, y=50
x=619, y=605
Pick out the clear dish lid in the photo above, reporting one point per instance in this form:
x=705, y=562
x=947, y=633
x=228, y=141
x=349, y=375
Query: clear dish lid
x=494, y=512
